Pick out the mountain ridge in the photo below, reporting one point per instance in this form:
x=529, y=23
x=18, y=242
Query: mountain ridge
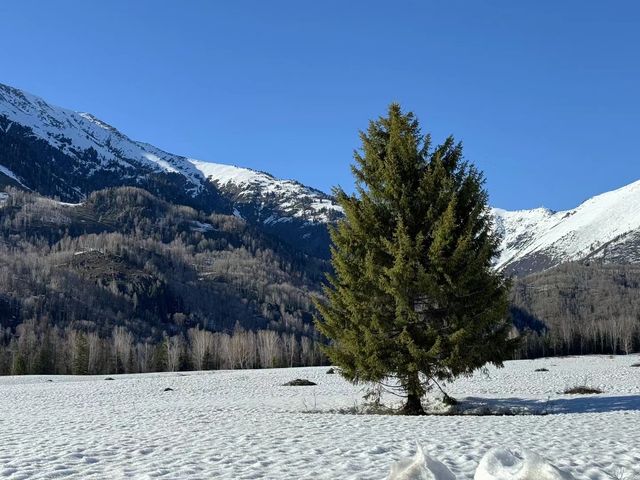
x=536, y=239
x=62, y=153
x=59, y=152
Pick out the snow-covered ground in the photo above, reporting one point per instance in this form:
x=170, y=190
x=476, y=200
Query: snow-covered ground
x=245, y=425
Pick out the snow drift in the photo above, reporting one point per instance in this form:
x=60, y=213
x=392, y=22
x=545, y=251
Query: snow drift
x=497, y=464
x=503, y=464
x=420, y=467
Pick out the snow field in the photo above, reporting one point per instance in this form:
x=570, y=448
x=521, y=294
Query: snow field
x=245, y=425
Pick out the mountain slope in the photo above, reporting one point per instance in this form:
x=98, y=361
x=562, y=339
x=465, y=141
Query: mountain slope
x=96, y=145
x=605, y=227
x=59, y=152
x=289, y=198
x=125, y=257
x=285, y=208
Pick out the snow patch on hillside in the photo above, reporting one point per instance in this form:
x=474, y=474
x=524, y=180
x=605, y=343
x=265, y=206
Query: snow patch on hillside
x=294, y=199
x=202, y=227
x=4, y=170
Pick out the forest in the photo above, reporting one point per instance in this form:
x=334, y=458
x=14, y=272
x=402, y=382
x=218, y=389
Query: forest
x=127, y=282
x=578, y=308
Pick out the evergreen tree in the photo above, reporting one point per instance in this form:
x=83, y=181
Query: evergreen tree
x=414, y=296
x=81, y=359
x=45, y=358
x=19, y=366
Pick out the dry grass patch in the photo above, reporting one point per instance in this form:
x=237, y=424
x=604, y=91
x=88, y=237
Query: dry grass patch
x=582, y=390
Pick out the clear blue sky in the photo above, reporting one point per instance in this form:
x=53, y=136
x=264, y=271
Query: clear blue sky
x=545, y=95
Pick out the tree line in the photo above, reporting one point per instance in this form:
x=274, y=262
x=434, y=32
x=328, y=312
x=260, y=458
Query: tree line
x=39, y=348
x=578, y=308
x=126, y=260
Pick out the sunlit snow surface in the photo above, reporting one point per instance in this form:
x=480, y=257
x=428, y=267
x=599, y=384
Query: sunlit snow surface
x=244, y=424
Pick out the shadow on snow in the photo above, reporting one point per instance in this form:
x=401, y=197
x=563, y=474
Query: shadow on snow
x=571, y=404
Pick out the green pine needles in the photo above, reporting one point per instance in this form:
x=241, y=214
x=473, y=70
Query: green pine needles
x=413, y=295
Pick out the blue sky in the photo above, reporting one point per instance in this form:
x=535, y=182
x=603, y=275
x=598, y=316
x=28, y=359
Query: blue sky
x=544, y=94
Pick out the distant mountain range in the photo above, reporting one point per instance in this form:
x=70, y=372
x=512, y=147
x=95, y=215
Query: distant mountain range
x=66, y=154
x=116, y=244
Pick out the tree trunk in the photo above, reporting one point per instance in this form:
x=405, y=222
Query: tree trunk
x=413, y=406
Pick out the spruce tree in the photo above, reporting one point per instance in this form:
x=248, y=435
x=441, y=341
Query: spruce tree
x=413, y=295
x=81, y=360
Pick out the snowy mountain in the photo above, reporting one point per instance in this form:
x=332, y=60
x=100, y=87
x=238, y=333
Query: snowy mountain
x=282, y=207
x=289, y=198
x=605, y=227
x=58, y=152
x=96, y=145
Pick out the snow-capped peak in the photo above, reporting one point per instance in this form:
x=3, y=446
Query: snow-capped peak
x=568, y=235
x=293, y=198
x=98, y=147
x=75, y=133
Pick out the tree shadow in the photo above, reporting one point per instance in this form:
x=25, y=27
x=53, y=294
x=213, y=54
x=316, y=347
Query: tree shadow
x=523, y=320
x=570, y=404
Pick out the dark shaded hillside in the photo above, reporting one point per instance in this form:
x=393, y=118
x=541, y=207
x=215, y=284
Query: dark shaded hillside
x=579, y=308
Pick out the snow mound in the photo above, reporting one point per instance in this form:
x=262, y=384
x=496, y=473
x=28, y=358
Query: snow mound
x=503, y=464
x=420, y=467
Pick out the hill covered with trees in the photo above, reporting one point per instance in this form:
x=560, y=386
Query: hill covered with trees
x=159, y=261
x=125, y=280
x=578, y=308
